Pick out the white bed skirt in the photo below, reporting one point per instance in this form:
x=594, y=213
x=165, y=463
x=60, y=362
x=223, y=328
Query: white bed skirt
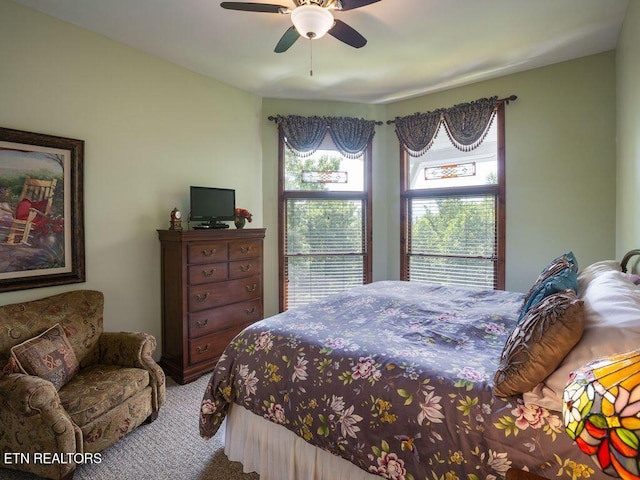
x=278, y=454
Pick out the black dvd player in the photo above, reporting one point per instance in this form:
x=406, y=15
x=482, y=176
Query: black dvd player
x=206, y=226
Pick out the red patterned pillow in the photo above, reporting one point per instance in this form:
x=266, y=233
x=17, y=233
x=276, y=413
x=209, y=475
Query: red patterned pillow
x=48, y=356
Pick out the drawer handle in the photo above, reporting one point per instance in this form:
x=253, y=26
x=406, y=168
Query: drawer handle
x=245, y=269
x=201, y=297
x=251, y=288
x=208, y=273
x=251, y=310
x=202, y=350
x=202, y=324
x=245, y=249
x=208, y=253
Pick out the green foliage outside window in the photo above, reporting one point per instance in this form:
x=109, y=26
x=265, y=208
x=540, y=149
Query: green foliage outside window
x=322, y=234
x=454, y=225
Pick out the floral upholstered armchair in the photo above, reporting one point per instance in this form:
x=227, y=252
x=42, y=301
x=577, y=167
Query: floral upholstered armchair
x=67, y=389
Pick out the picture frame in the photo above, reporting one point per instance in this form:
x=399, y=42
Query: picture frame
x=41, y=210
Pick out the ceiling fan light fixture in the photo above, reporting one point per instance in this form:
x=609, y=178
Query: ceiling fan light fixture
x=312, y=21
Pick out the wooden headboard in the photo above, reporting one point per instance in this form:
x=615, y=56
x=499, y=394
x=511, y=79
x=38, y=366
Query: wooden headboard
x=628, y=257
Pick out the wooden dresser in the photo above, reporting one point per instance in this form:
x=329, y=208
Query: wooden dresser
x=211, y=290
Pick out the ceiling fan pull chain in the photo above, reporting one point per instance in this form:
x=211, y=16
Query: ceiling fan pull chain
x=310, y=57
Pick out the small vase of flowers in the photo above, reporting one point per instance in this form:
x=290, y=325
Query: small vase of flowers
x=241, y=217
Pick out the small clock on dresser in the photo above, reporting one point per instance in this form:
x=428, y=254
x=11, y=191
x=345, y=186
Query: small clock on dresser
x=176, y=219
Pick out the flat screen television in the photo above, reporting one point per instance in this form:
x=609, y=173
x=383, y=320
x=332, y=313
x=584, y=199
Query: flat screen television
x=212, y=206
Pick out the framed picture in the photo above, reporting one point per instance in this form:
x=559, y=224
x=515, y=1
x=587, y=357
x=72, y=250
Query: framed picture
x=41, y=210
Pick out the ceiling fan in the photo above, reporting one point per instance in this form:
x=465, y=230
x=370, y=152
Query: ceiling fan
x=311, y=19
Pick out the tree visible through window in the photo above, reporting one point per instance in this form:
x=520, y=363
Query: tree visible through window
x=325, y=234
x=453, y=212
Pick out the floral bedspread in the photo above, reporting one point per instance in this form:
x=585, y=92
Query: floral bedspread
x=395, y=377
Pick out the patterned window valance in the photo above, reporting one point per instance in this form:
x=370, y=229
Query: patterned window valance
x=466, y=124
x=304, y=135
x=416, y=132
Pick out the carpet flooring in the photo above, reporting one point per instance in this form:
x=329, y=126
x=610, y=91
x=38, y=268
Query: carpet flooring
x=168, y=449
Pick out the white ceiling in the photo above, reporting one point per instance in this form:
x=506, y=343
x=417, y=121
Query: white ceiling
x=414, y=46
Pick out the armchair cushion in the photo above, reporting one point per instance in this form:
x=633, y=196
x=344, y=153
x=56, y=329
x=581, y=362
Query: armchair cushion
x=48, y=356
x=98, y=389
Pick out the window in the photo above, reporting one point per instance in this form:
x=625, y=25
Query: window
x=452, y=204
x=325, y=232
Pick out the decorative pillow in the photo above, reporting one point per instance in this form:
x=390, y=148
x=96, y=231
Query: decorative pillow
x=40, y=205
x=538, y=344
x=568, y=257
x=571, y=258
x=25, y=205
x=612, y=314
x=48, y=356
x=555, y=266
x=550, y=281
x=22, y=210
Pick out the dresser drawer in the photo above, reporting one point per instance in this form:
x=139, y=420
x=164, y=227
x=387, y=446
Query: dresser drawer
x=211, y=295
x=208, y=321
x=245, y=268
x=207, y=272
x=207, y=252
x=212, y=346
x=247, y=249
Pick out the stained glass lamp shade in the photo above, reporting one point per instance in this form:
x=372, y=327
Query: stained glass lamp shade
x=601, y=412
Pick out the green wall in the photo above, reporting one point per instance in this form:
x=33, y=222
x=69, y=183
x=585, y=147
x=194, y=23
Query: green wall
x=560, y=161
x=628, y=124
x=150, y=128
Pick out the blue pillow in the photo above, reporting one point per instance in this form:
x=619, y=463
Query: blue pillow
x=563, y=280
x=569, y=257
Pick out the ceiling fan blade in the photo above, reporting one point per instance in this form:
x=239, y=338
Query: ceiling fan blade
x=254, y=7
x=347, y=34
x=288, y=39
x=353, y=4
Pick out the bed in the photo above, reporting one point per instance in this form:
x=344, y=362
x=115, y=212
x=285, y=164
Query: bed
x=416, y=381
